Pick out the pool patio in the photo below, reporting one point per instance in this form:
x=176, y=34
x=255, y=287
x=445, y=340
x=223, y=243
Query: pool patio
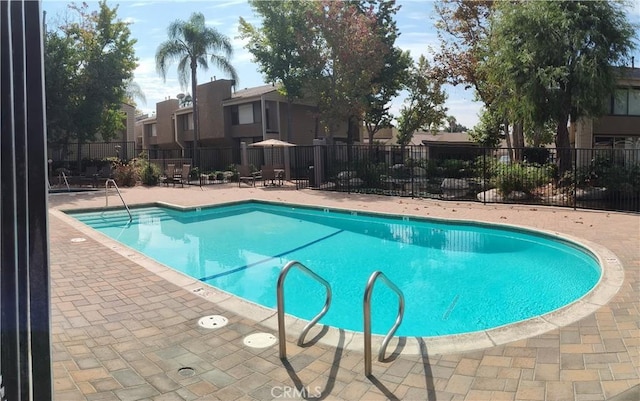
x=120, y=331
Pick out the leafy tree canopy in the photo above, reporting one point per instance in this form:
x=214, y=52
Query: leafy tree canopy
x=424, y=106
x=394, y=72
x=88, y=62
x=274, y=45
x=343, y=54
x=555, y=60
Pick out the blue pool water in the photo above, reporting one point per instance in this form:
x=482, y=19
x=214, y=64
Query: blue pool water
x=456, y=278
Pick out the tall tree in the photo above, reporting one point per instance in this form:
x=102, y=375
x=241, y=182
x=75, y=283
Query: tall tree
x=343, y=54
x=394, y=72
x=565, y=72
x=274, y=46
x=424, y=106
x=88, y=62
x=464, y=29
x=194, y=45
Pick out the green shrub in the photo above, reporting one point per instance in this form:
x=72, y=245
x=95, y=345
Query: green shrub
x=149, y=173
x=521, y=177
x=126, y=175
x=234, y=171
x=603, y=172
x=370, y=174
x=194, y=174
x=454, y=168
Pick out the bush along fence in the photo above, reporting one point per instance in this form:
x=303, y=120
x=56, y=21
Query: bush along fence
x=599, y=178
x=607, y=179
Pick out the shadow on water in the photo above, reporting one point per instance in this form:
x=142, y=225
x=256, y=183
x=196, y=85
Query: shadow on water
x=305, y=391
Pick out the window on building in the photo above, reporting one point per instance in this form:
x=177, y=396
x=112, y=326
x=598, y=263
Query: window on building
x=626, y=102
x=153, y=130
x=634, y=102
x=243, y=114
x=234, y=115
x=187, y=122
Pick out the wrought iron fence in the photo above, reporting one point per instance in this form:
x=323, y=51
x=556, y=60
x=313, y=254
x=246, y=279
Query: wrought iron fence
x=599, y=178
x=68, y=153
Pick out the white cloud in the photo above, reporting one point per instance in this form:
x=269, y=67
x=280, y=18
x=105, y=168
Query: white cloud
x=226, y=4
x=131, y=20
x=418, y=43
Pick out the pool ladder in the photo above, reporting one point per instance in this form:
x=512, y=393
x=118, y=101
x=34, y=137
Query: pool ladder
x=367, y=319
x=106, y=195
x=280, y=299
x=366, y=309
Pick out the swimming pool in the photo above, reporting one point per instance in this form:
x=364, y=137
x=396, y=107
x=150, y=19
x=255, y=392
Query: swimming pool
x=456, y=277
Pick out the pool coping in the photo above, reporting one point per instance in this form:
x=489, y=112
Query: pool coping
x=611, y=280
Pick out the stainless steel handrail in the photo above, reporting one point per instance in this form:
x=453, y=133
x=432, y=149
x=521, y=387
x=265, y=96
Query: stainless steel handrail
x=367, y=319
x=280, y=298
x=106, y=195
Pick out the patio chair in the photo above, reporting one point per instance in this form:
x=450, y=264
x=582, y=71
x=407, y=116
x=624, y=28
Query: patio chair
x=169, y=175
x=183, y=175
x=89, y=177
x=245, y=175
x=270, y=173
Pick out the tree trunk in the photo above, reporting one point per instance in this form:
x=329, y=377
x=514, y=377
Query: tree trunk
x=518, y=140
x=507, y=137
x=563, y=147
x=196, y=122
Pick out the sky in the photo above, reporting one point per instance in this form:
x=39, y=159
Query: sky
x=149, y=21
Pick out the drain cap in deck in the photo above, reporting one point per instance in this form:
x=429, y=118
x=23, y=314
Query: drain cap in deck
x=78, y=239
x=259, y=340
x=213, y=322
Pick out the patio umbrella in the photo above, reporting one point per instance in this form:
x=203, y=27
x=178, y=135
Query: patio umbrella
x=274, y=143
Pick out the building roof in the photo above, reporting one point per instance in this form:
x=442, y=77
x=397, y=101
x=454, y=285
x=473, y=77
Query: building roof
x=629, y=73
x=442, y=137
x=425, y=138
x=253, y=92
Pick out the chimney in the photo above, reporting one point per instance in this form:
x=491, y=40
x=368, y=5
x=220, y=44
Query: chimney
x=632, y=61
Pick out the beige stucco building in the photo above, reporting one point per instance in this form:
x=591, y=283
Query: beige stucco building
x=620, y=127
x=229, y=117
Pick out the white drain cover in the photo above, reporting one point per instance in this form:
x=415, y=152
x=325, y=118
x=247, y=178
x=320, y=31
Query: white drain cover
x=79, y=239
x=213, y=322
x=260, y=340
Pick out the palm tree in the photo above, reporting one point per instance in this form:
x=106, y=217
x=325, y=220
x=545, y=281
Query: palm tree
x=191, y=43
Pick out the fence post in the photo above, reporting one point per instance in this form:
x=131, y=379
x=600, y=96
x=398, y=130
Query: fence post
x=575, y=178
x=484, y=176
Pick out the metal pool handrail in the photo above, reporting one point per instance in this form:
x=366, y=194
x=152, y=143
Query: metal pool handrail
x=280, y=298
x=367, y=319
x=106, y=195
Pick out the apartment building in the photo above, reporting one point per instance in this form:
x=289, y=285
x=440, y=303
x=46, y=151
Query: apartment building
x=620, y=127
x=228, y=117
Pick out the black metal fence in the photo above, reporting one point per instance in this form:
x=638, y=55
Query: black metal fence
x=599, y=178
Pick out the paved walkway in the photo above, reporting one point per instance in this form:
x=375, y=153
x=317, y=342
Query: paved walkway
x=122, y=332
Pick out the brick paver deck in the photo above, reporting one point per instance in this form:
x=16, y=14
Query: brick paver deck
x=121, y=332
